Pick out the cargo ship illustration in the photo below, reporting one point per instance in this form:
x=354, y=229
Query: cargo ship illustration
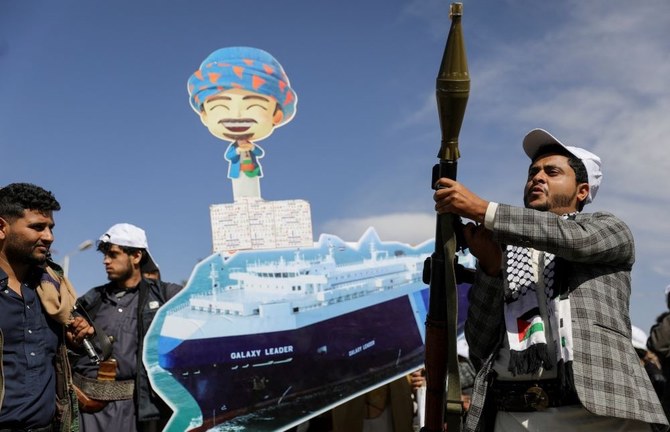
x=268, y=327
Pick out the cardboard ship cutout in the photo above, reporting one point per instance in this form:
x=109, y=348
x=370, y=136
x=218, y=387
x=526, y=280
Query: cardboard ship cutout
x=267, y=339
x=274, y=328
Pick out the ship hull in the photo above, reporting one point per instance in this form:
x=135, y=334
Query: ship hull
x=231, y=375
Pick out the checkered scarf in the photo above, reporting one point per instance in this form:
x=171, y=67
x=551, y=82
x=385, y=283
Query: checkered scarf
x=527, y=331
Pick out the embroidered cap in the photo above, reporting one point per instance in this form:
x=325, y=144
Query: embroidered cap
x=125, y=234
x=538, y=138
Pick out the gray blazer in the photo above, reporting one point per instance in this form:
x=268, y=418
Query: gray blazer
x=600, y=252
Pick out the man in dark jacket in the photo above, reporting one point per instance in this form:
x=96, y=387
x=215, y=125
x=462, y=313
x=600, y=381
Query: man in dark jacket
x=36, y=301
x=659, y=344
x=123, y=309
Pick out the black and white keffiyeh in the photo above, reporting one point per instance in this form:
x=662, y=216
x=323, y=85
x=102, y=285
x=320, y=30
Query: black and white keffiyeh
x=527, y=328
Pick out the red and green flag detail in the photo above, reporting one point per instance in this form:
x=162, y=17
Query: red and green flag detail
x=526, y=326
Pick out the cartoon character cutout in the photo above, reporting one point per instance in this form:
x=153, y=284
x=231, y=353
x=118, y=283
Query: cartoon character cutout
x=241, y=95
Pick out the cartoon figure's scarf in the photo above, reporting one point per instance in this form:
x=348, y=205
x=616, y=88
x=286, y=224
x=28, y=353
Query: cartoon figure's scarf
x=527, y=331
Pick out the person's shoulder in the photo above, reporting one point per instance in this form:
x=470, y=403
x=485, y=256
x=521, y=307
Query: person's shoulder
x=600, y=214
x=92, y=297
x=171, y=289
x=95, y=291
x=603, y=217
x=662, y=317
x=167, y=289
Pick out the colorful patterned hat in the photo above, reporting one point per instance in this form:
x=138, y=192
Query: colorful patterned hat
x=245, y=68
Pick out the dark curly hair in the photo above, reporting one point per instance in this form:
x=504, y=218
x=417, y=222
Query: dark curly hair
x=16, y=198
x=104, y=247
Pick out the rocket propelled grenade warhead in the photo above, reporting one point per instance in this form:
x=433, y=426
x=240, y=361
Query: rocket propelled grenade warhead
x=452, y=91
x=452, y=87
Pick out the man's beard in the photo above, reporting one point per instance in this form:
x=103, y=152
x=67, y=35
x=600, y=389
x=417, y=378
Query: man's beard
x=554, y=201
x=126, y=274
x=19, y=253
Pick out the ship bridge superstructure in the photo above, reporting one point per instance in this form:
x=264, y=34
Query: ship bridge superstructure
x=287, y=286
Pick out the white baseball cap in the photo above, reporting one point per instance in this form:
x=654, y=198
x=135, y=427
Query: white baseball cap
x=639, y=338
x=462, y=347
x=538, y=138
x=125, y=234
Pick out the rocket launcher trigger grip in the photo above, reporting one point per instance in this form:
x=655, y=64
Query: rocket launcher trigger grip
x=448, y=169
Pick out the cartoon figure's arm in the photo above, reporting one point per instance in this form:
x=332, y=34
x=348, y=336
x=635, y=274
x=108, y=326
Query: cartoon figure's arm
x=231, y=154
x=258, y=151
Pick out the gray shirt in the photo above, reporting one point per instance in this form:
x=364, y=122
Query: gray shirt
x=117, y=316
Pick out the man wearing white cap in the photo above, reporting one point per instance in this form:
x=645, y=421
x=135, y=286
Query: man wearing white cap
x=123, y=309
x=548, y=312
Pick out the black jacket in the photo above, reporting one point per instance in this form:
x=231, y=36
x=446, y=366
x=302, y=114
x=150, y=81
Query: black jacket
x=659, y=344
x=149, y=406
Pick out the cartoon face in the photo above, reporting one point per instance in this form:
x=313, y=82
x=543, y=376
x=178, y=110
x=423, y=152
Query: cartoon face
x=240, y=115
